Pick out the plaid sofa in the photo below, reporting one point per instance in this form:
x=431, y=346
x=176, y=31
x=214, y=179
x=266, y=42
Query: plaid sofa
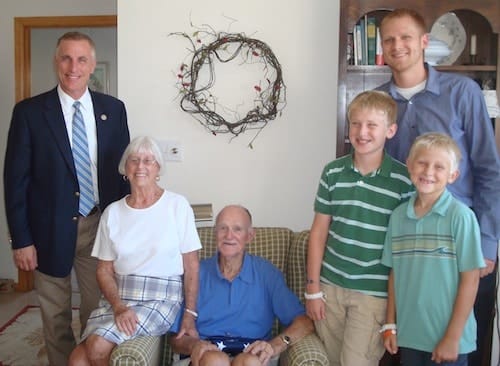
x=285, y=249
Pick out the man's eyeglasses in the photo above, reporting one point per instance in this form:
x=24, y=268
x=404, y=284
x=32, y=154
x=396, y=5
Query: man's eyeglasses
x=137, y=161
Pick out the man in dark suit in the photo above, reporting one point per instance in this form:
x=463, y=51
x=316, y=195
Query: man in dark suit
x=50, y=232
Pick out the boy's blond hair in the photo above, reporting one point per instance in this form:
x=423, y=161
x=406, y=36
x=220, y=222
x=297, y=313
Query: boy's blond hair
x=436, y=140
x=375, y=99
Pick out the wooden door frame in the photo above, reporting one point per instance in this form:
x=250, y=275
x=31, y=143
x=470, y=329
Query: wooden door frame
x=22, y=49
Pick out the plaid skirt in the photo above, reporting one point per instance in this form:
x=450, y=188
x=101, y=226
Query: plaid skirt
x=156, y=301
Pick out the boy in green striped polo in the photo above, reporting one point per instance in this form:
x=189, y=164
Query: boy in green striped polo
x=346, y=287
x=433, y=246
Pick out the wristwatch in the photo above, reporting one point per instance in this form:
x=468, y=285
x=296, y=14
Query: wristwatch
x=286, y=339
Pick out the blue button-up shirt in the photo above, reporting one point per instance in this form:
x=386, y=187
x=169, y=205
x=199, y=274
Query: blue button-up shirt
x=454, y=104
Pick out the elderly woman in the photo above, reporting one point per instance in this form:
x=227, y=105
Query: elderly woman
x=147, y=246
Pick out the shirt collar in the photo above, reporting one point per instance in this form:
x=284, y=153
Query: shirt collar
x=432, y=84
x=383, y=170
x=432, y=80
x=67, y=101
x=439, y=208
x=246, y=273
x=386, y=166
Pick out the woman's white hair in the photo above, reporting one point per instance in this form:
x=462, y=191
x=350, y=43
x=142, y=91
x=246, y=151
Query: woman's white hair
x=142, y=144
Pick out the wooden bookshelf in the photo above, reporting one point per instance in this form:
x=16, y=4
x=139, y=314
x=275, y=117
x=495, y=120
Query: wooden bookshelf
x=478, y=17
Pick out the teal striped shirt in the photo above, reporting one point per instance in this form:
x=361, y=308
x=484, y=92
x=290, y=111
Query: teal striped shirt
x=360, y=207
x=427, y=255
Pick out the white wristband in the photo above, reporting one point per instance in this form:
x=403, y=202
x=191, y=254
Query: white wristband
x=317, y=295
x=192, y=312
x=389, y=326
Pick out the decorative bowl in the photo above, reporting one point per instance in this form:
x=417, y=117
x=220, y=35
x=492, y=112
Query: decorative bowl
x=436, y=51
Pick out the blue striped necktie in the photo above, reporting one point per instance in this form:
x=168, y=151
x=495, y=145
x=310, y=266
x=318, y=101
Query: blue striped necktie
x=82, y=162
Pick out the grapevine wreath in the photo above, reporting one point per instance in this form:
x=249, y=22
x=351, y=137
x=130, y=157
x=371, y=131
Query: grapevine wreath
x=197, y=98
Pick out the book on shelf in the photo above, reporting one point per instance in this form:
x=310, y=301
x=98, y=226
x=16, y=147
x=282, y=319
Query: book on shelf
x=358, y=46
x=364, y=47
x=371, y=40
x=364, y=44
x=350, y=49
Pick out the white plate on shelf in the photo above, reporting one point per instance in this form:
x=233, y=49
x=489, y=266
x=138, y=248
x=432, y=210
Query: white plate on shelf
x=449, y=29
x=436, y=51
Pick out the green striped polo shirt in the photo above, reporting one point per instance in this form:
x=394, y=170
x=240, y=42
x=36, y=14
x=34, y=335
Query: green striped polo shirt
x=360, y=207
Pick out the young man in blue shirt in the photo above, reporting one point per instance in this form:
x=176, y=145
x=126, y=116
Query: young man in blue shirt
x=429, y=100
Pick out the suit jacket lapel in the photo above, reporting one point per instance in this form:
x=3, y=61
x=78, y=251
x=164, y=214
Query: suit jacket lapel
x=55, y=121
x=100, y=115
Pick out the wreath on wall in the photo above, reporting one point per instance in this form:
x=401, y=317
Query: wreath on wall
x=196, y=87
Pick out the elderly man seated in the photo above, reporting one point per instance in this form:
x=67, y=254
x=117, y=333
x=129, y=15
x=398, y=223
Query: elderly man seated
x=240, y=295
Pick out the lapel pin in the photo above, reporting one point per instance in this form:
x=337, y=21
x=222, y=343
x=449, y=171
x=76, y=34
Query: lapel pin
x=103, y=117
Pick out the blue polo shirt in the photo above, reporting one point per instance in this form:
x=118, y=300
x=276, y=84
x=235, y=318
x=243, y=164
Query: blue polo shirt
x=247, y=305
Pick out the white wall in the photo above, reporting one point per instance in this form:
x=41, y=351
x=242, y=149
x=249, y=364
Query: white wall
x=27, y=8
x=277, y=179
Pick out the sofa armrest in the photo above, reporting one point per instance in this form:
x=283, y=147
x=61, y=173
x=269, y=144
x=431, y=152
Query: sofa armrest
x=309, y=351
x=140, y=351
x=297, y=262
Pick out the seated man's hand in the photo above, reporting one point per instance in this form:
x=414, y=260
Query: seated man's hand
x=199, y=349
x=262, y=349
x=188, y=327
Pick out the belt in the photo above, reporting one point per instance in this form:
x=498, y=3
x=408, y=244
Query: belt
x=93, y=211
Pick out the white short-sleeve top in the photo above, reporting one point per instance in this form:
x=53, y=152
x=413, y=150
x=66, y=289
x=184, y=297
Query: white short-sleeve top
x=148, y=241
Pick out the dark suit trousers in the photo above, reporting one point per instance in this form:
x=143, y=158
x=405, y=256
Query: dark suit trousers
x=484, y=310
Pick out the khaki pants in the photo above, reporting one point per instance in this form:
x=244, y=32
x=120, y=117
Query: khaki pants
x=350, y=331
x=54, y=295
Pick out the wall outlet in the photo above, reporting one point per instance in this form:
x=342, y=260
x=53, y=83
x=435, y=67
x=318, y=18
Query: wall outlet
x=172, y=150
